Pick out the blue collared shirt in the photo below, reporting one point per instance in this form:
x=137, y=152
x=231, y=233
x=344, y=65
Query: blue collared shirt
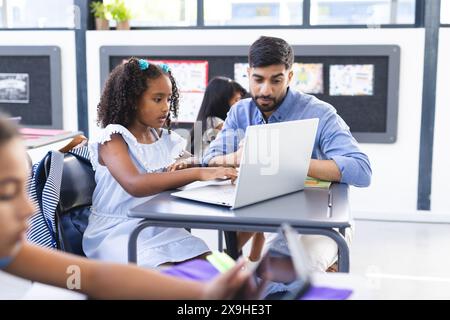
x=333, y=140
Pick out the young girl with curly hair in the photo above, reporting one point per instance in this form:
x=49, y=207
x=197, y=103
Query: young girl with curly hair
x=130, y=157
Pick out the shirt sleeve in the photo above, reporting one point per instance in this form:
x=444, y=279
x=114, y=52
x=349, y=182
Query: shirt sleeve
x=216, y=121
x=338, y=144
x=4, y=262
x=227, y=140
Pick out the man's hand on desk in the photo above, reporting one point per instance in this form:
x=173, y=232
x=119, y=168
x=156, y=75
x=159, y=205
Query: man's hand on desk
x=324, y=170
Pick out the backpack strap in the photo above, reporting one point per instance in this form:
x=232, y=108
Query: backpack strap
x=82, y=153
x=38, y=232
x=48, y=186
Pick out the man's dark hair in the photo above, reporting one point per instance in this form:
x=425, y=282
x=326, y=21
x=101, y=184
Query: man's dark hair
x=8, y=130
x=268, y=51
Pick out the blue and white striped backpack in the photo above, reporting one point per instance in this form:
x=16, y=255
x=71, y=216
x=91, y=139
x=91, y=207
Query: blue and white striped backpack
x=44, y=189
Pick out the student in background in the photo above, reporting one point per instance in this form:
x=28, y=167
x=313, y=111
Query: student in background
x=220, y=94
x=97, y=280
x=130, y=158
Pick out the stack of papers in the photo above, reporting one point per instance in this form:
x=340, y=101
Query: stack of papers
x=33, y=133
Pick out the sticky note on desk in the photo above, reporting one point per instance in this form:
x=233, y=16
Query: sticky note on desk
x=221, y=261
x=316, y=183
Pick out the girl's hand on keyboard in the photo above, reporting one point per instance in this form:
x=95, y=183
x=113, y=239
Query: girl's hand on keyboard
x=217, y=173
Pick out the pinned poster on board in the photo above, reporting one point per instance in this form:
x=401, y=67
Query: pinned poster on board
x=308, y=77
x=241, y=75
x=351, y=80
x=14, y=88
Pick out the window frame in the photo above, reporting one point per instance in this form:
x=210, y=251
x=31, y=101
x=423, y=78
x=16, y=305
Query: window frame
x=419, y=22
x=305, y=25
x=41, y=29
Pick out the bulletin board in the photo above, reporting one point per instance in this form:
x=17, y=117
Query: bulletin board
x=361, y=82
x=30, y=85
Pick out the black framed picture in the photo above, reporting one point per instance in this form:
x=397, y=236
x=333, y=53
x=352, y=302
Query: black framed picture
x=30, y=85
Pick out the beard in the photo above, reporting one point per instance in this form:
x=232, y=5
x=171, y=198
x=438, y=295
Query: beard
x=268, y=106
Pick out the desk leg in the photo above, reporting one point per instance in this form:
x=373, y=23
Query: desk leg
x=343, y=250
x=220, y=240
x=132, y=242
x=231, y=242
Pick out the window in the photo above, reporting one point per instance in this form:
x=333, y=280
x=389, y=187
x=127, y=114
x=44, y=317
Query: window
x=362, y=12
x=223, y=13
x=161, y=13
x=445, y=11
x=37, y=14
x=252, y=12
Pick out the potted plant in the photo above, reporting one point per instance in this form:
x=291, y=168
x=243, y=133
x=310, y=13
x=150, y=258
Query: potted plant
x=100, y=11
x=121, y=14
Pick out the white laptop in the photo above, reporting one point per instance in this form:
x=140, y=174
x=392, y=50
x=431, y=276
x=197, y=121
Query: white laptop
x=275, y=162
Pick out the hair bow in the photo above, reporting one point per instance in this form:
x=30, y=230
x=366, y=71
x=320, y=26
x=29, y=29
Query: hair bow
x=143, y=64
x=164, y=67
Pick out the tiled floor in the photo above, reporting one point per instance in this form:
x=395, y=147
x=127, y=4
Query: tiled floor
x=416, y=249
x=403, y=260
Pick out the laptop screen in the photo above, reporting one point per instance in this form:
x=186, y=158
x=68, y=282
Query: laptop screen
x=282, y=273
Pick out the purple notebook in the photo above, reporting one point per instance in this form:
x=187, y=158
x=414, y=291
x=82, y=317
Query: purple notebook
x=198, y=269
x=202, y=270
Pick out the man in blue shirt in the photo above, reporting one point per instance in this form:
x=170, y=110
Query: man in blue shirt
x=336, y=155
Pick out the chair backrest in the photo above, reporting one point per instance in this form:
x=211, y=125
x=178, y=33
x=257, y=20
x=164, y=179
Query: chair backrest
x=73, y=210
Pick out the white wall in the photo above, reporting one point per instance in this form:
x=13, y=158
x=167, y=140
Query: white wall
x=65, y=40
x=395, y=166
x=440, y=189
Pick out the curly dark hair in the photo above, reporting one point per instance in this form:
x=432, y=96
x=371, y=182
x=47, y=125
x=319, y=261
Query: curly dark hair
x=125, y=85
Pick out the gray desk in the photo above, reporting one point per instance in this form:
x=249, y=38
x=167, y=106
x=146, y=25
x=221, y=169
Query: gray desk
x=307, y=211
x=46, y=140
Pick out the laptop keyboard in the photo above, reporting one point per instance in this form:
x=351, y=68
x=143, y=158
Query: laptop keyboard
x=224, y=194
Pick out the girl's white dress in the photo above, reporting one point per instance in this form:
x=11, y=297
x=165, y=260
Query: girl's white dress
x=109, y=228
